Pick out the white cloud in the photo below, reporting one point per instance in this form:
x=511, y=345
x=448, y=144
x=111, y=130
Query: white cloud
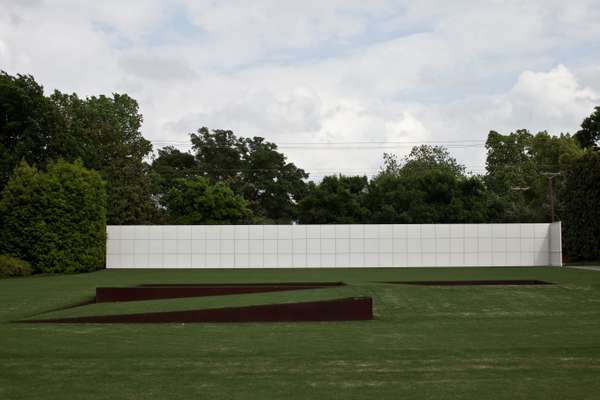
x=156, y=68
x=554, y=98
x=327, y=70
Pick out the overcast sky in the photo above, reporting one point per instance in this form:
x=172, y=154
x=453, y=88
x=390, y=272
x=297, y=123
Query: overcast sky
x=321, y=71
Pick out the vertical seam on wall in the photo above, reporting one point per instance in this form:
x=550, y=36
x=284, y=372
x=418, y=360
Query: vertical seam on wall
x=477, y=264
x=335, y=256
x=406, y=248
x=435, y=245
x=422, y=238
x=393, y=228
x=320, y=246
x=493, y=261
x=262, y=261
x=520, y=244
x=550, y=234
x=378, y=244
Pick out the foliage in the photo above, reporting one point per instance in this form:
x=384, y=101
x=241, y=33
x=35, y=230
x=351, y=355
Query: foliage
x=172, y=164
x=271, y=185
x=431, y=196
x=589, y=135
x=581, y=223
x=218, y=154
x=56, y=220
x=254, y=169
x=425, y=158
x=515, y=163
x=104, y=132
x=428, y=186
x=197, y=201
x=12, y=266
x=335, y=200
x=109, y=141
x=30, y=125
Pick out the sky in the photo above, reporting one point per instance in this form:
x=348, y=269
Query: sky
x=354, y=78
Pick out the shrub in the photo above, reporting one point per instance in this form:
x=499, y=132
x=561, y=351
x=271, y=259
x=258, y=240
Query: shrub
x=55, y=220
x=12, y=266
x=581, y=219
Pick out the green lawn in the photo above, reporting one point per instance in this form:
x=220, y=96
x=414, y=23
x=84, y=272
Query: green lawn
x=477, y=342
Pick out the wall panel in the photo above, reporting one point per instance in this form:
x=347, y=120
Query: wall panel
x=296, y=246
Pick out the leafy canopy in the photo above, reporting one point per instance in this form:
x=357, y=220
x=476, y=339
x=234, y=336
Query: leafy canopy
x=56, y=220
x=252, y=167
x=515, y=163
x=589, y=135
x=106, y=136
x=422, y=158
x=197, y=201
x=581, y=227
x=335, y=200
x=31, y=127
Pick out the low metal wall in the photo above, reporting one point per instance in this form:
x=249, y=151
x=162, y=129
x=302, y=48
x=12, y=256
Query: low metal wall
x=284, y=246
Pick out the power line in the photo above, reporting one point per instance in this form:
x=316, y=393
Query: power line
x=342, y=146
x=350, y=142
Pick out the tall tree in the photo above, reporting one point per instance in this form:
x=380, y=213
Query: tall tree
x=197, y=201
x=335, y=200
x=109, y=140
x=424, y=158
x=508, y=161
x=582, y=211
x=172, y=164
x=430, y=196
x=218, y=154
x=589, y=135
x=31, y=126
x=428, y=186
x=515, y=163
x=272, y=185
x=255, y=169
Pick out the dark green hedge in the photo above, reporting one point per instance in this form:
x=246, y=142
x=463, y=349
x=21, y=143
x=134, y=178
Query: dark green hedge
x=56, y=220
x=581, y=220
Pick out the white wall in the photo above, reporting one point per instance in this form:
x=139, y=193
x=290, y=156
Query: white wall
x=271, y=246
x=556, y=244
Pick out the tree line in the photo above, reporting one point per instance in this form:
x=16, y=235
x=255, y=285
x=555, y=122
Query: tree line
x=228, y=179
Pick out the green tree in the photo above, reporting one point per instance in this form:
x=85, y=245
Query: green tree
x=581, y=222
x=31, y=127
x=335, y=200
x=515, y=163
x=109, y=140
x=197, y=201
x=424, y=158
x=508, y=161
x=172, y=164
x=429, y=186
x=255, y=169
x=391, y=165
x=218, y=154
x=431, y=196
x=589, y=135
x=272, y=185
x=56, y=220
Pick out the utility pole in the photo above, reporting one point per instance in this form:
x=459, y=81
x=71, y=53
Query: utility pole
x=550, y=176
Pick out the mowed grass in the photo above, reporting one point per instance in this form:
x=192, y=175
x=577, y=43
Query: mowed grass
x=201, y=303
x=471, y=342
